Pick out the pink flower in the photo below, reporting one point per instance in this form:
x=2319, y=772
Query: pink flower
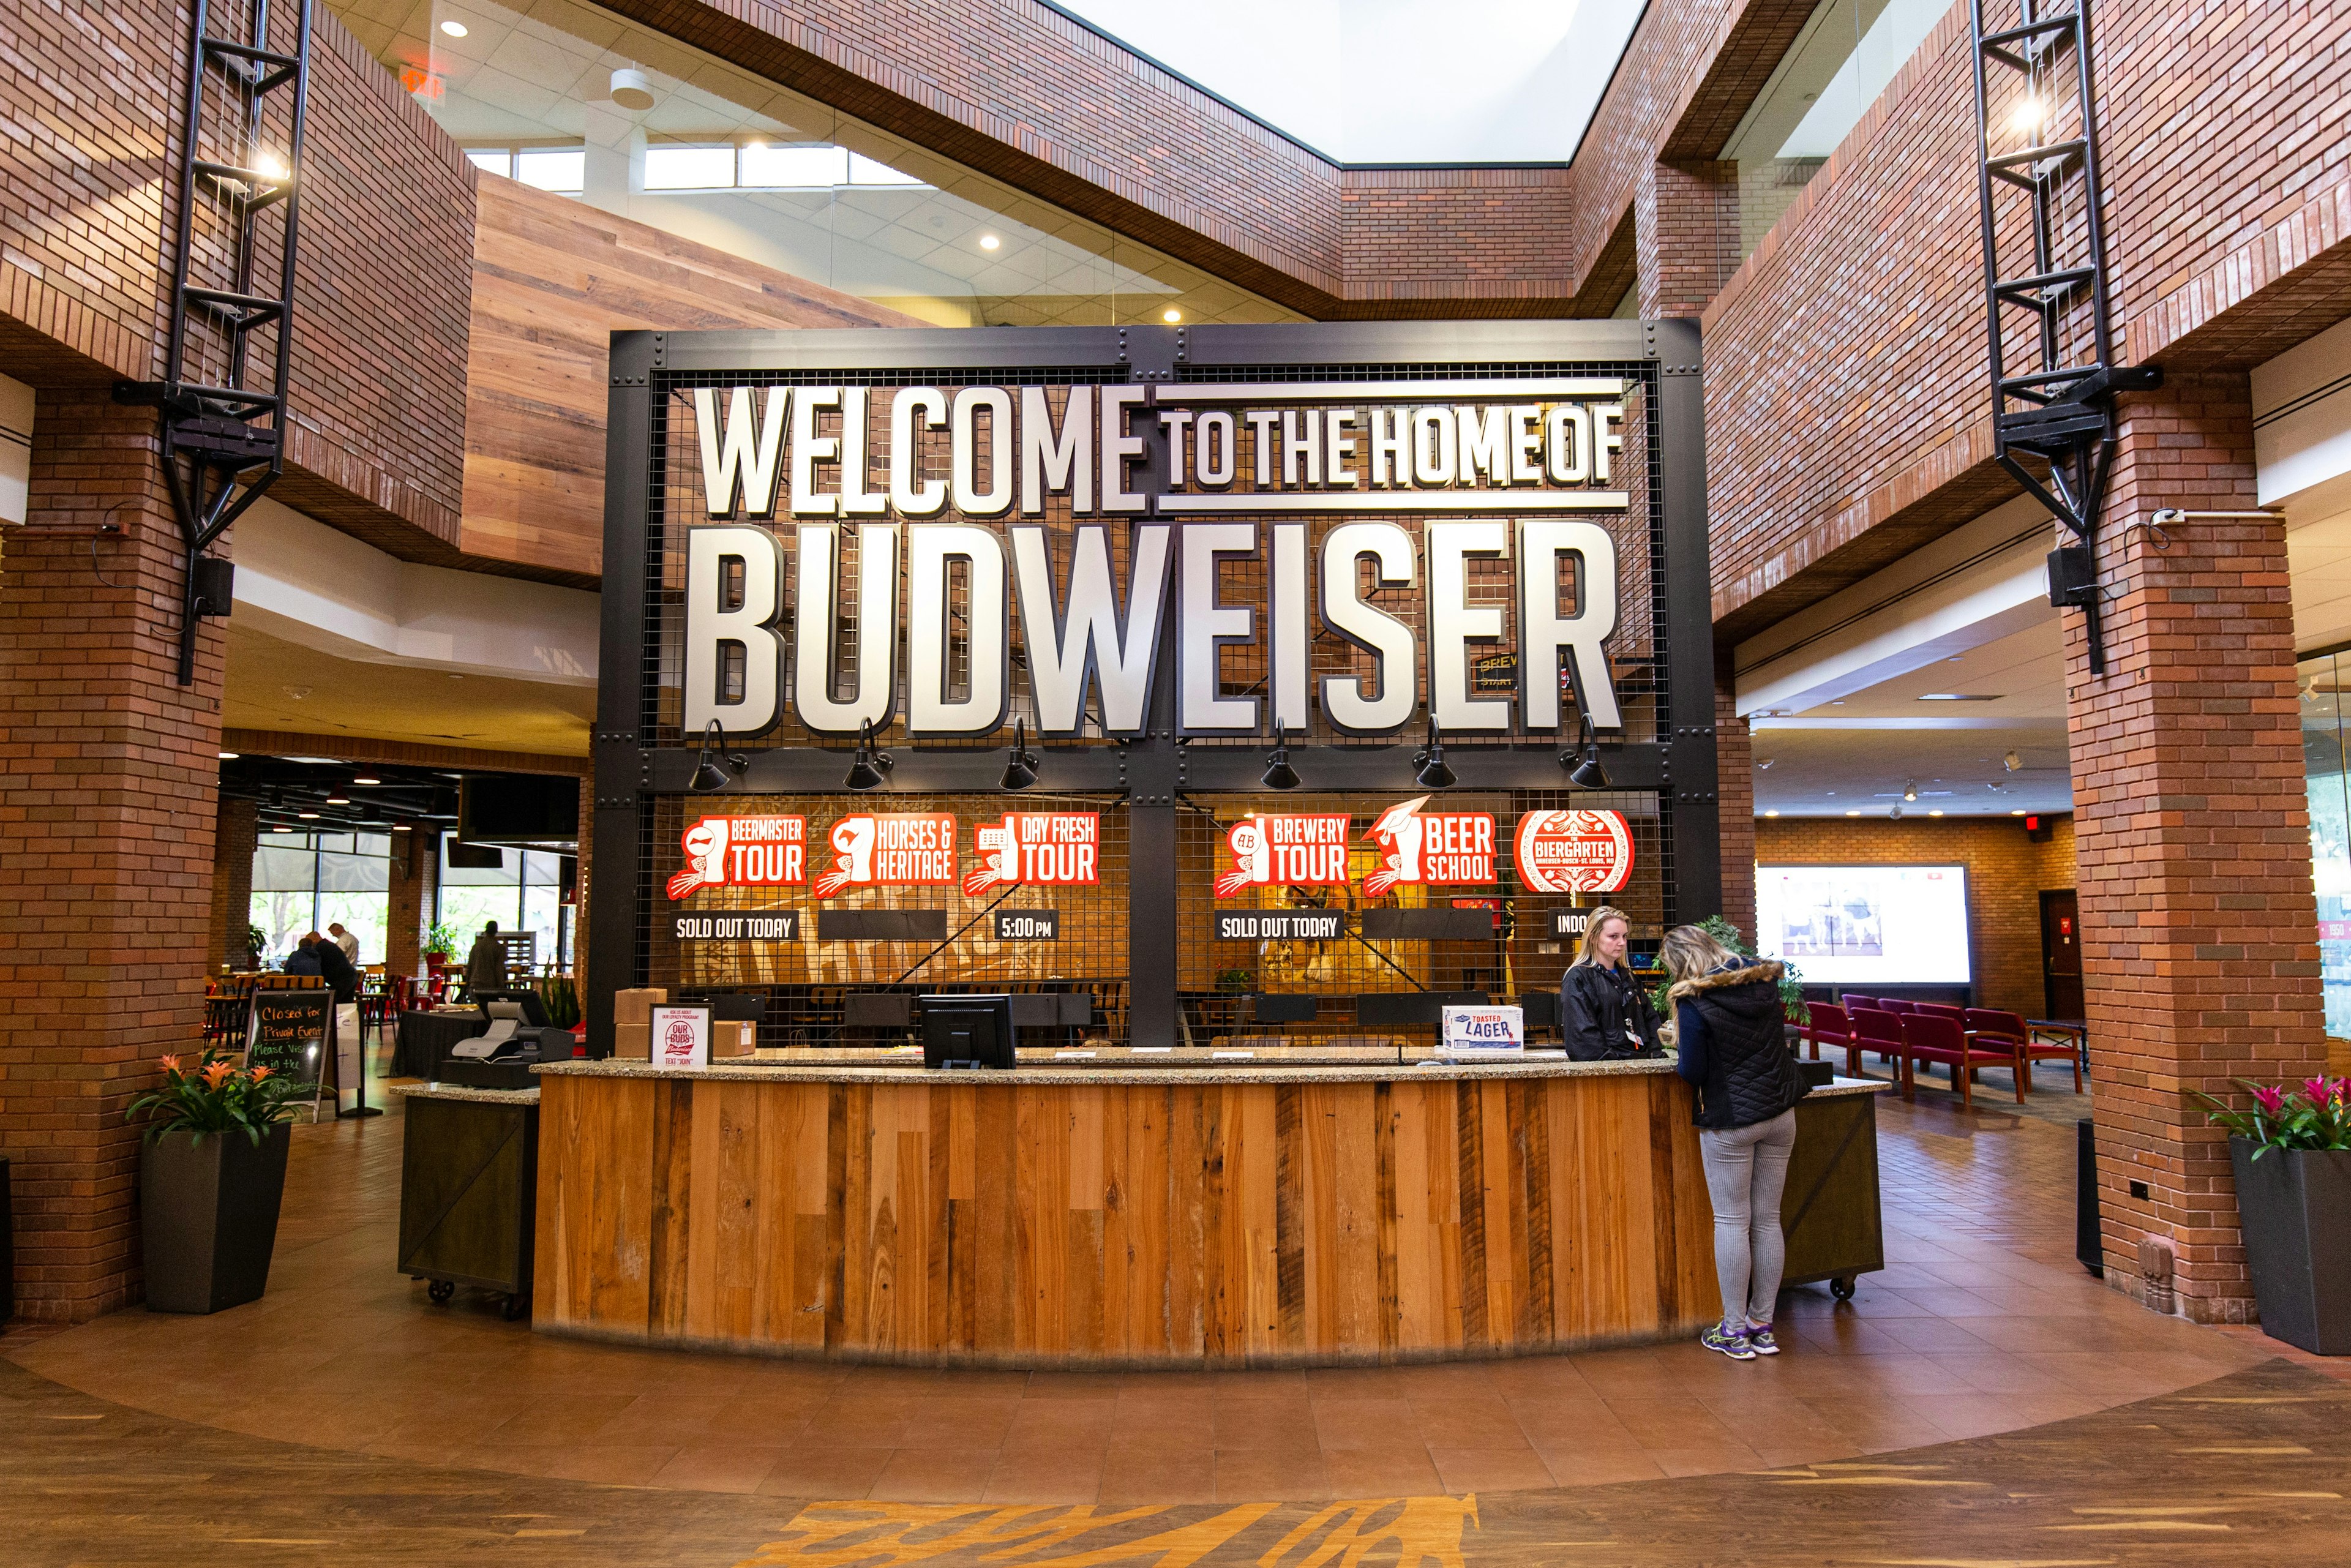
x=2271, y=1100
x=2316, y=1090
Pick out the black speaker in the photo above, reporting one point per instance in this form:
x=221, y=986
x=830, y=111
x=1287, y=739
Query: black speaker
x=2089, y=1247
x=216, y=587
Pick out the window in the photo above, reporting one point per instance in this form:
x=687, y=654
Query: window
x=306, y=882
x=674, y=167
x=2327, y=758
x=766, y=166
x=562, y=170
x=492, y=159
x=524, y=892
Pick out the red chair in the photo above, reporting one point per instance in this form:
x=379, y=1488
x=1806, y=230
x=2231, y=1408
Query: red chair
x=1927, y=1038
x=1895, y=1005
x=1850, y=1000
x=1942, y=1010
x=1876, y=1030
x=1994, y=1025
x=1826, y=1023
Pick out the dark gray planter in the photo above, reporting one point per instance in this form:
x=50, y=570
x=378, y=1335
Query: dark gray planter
x=209, y=1214
x=2295, y=1209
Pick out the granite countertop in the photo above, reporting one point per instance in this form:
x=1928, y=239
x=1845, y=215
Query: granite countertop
x=1221, y=1073
x=466, y=1092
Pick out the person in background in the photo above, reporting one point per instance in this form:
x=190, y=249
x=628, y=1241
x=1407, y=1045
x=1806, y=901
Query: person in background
x=303, y=960
x=1602, y=1010
x=345, y=940
x=1727, y=1018
x=341, y=977
x=485, y=963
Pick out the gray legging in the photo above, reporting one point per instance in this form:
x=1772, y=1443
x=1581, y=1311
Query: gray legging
x=1746, y=1169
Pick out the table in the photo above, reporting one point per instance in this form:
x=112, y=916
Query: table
x=425, y=1040
x=1095, y=1214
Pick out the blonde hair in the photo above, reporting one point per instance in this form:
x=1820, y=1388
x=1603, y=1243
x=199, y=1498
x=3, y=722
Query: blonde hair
x=1690, y=951
x=1585, y=952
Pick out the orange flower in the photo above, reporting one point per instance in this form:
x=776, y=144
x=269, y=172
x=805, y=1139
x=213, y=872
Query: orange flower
x=170, y=1064
x=259, y=1073
x=216, y=1073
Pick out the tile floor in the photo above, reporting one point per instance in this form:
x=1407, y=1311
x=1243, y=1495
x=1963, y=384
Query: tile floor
x=1981, y=1324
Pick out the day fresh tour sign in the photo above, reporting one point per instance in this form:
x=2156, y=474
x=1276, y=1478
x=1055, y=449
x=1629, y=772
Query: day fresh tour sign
x=1037, y=849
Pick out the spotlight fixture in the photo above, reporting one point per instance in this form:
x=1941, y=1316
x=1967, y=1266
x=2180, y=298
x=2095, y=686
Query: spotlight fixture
x=1279, y=773
x=989, y=242
x=1171, y=316
x=1894, y=815
x=454, y=29
x=869, y=769
x=2012, y=761
x=1020, y=769
x=1910, y=789
x=1428, y=766
x=708, y=772
x=1770, y=813
x=633, y=89
x=1585, y=772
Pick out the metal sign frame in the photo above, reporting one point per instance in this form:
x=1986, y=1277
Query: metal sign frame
x=1151, y=770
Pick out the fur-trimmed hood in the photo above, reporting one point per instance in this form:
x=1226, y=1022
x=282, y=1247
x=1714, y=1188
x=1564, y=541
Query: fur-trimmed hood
x=1765, y=971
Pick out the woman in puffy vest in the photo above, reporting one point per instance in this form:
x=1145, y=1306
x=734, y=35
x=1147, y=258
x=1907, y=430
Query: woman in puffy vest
x=1727, y=1020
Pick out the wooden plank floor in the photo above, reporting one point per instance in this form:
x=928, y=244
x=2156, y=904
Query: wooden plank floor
x=2249, y=1468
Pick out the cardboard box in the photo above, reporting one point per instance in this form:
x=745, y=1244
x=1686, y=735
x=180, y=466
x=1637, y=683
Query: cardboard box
x=732, y=1040
x=636, y=1006
x=634, y=1040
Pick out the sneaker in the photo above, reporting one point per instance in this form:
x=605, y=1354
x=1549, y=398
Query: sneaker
x=1759, y=1340
x=1727, y=1340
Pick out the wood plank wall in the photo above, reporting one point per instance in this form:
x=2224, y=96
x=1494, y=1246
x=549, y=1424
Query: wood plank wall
x=1114, y=1225
x=553, y=278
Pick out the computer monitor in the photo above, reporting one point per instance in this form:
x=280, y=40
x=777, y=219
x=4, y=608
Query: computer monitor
x=966, y=1031
x=533, y=1005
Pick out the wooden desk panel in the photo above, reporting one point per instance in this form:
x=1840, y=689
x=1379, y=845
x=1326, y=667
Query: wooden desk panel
x=1108, y=1224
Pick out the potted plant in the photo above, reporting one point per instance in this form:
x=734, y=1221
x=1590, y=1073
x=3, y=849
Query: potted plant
x=2292, y=1151
x=212, y=1173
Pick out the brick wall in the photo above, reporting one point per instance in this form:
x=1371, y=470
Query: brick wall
x=233, y=845
x=2007, y=873
x=106, y=817
x=1846, y=401
x=2198, y=928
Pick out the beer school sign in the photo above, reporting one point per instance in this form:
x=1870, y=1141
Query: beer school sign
x=1149, y=544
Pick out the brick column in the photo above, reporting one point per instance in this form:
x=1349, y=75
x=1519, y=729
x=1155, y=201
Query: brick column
x=2198, y=928
x=1734, y=755
x=1684, y=234
x=233, y=839
x=108, y=804
x=415, y=859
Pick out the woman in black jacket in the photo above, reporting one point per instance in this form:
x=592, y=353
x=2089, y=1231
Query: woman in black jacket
x=1602, y=1010
x=1730, y=1045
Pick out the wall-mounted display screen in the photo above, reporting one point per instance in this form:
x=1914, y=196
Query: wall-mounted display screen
x=1865, y=924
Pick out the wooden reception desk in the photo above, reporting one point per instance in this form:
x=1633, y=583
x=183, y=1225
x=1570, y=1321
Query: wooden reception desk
x=1125, y=1216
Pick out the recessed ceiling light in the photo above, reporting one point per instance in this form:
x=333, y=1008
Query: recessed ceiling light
x=1853, y=813
x=1934, y=813
x=228, y=757
x=1171, y=317
x=313, y=816
x=1770, y=813
x=988, y=242
x=2019, y=811
x=454, y=29
x=367, y=780
x=400, y=826
x=1957, y=697
x=338, y=801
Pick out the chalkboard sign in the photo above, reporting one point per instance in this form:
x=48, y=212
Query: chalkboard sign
x=289, y=1033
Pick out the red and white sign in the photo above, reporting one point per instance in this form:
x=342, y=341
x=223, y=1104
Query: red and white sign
x=742, y=852
x=1574, y=852
x=1286, y=852
x=1037, y=849
x=910, y=849
x=1442, y=847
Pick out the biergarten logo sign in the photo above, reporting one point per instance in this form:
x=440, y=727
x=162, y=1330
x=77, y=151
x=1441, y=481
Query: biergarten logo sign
x=1573, y=852
x=1507, y=472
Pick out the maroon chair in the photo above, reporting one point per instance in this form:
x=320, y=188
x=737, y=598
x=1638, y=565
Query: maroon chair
x=1826, y=1023
x=1895, y=1005
x=1993, y=1025
x=1876, y=1030
x=1927, y=1038
x=1942, y=1010
x=1850, y=1001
